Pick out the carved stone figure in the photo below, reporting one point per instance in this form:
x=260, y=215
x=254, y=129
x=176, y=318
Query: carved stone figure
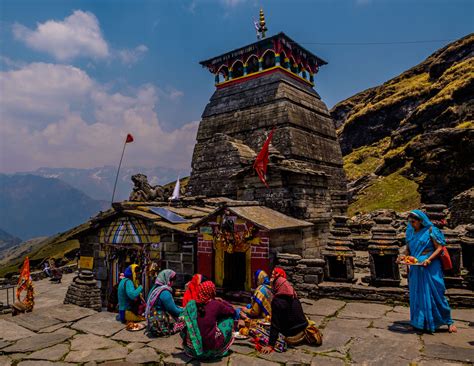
x=144, y=191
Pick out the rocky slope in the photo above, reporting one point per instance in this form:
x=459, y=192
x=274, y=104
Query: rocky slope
x=411, y=138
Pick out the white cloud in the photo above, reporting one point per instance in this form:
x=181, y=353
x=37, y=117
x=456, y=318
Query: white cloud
x=132, y=56
x=57, y=116
x=78, y=35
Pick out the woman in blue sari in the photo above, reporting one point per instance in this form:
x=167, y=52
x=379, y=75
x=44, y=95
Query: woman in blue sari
x=429, y=308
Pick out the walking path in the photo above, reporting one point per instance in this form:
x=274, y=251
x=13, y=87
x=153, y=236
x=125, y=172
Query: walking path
x=354, y=333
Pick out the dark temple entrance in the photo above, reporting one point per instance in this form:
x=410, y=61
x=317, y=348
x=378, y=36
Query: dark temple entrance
x=235, y=272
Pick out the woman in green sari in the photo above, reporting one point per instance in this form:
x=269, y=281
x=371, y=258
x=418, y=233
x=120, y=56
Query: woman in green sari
x=209, y=325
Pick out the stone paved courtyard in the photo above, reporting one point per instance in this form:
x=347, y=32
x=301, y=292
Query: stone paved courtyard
x=354, y=333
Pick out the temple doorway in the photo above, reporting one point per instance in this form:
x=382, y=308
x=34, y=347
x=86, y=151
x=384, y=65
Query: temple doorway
x=235, y=273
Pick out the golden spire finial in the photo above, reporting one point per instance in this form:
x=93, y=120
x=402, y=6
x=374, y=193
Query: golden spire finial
x=262, y=26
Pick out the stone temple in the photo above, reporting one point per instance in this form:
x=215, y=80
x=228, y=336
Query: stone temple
x=270, y=84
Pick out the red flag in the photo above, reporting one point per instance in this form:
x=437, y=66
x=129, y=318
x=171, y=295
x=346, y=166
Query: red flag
x=261, y=162
x=24, y=278
x=129, y=139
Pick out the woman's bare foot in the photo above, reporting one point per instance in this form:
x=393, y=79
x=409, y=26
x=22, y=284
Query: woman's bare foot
x=452, y=329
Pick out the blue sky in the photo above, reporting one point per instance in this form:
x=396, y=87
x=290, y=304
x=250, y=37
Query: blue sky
x=120, y=66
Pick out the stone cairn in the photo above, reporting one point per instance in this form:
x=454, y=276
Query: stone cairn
x=84, y=292
x=383, y=253
x=467, y=244
x=338, y=253
x=437, y=215
x=304, y=274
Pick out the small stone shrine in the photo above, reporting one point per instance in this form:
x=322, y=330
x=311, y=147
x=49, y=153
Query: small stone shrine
x=383, y=253
x=84, y=291
x=467, y=244
x=437, y=215
x=339, y=253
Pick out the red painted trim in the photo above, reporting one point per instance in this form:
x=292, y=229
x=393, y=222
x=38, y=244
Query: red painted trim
x=258, y=74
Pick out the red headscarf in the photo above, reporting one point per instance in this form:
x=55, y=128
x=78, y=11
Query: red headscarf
x=206, y=292
x=278, y=272
x=192, y=289
x=281, y=286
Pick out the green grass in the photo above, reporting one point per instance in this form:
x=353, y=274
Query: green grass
x=391, y=192
x=366, y=159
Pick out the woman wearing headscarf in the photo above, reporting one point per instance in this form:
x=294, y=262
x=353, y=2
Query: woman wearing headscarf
x=192, y=288
x=128, y=293
x=209, y=325
x=429, y=308
x=288, y=317
x=260, y=305
x=161, y=312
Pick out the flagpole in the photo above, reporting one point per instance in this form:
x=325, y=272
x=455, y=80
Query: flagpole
x=118, y=171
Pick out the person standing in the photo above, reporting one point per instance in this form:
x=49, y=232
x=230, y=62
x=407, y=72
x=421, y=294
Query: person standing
x=429, y=308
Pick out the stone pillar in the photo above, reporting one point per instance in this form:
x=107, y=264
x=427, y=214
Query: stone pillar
x=437, y=215
x=339, y=253
x=245, y=69
x=467, y=244
x=230, y=73
x=83, y=291
x=260, y=64
x=383, y=253
x=277, y=59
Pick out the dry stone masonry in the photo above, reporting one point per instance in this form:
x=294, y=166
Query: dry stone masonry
x=84, y=291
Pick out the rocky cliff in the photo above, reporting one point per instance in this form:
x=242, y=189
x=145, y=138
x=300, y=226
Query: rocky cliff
x=411, y=138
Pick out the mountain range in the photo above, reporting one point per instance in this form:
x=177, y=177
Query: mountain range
x=410, y=140
x=32, y=206
x=98, y=182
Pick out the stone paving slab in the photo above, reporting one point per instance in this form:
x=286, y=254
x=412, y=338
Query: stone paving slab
x=83, y=342
x=69, y=312
x=323, y=307
x=364, y=310
x=54, y=353
x=44, y=363
x=452, y=346
x=97, y=355
x=40, y=341
x=176, y=359
x=5, y=361
x=466, y=315
x=143, y=355
x=103, y=324
x=327, y=361
x=239, y=360
x=127, y=336
x=55, y=327
x=132, y=346
x=291, y=355
x=34, y=321
x=4, y=344
x=167, y=345
x=11, y=331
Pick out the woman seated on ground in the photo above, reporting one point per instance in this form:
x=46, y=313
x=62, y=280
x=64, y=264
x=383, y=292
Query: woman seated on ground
x=209, y=325
x=128, y=293
x=192, y=288
x=288, y=317
x=260, y=305
x=429, y=308
x=161, y=312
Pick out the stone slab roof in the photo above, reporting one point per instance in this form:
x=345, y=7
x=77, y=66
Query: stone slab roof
x=261, y=216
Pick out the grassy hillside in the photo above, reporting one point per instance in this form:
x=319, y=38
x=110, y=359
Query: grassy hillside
x=410, y=139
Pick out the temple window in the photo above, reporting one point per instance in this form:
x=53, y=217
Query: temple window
x=237, y=69
x=252, y=64
x=268, y=60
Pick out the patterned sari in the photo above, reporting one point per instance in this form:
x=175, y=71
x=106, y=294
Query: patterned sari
x=192, y=340
x=429, y=308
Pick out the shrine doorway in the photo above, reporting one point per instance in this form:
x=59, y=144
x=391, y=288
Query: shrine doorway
x=235, y=274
